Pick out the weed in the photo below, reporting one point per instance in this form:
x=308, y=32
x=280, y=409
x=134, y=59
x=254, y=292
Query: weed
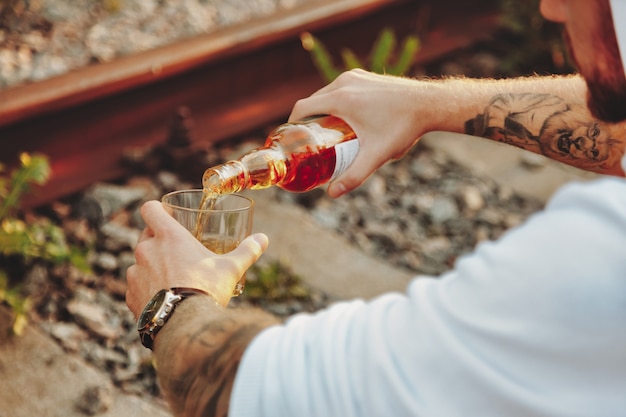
x=25, y=239
x=274, y=282
x=380, y=59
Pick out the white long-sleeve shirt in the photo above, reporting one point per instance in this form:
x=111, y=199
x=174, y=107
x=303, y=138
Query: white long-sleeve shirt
x=533, y=324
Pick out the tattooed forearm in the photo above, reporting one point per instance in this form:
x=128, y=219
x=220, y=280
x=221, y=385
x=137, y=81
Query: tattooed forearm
x=546, y=124
x=198, y=353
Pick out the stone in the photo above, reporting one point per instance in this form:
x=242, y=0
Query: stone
x=94, y=317
x=472, y=198
x=69, y=335
x=443, y=209
x=95, y=400
x=111, y=197
x=118, y=238
x=107, y=261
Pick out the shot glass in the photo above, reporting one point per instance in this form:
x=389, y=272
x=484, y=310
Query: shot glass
x=220, y=225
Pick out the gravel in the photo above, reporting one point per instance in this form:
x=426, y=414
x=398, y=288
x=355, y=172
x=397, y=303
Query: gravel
x=421, y=213
x=40, y=39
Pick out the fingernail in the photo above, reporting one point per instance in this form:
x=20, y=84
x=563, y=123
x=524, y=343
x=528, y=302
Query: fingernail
x=336, y=190
x=261, y=239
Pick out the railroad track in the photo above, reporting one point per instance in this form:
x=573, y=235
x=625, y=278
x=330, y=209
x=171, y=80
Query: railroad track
x=233, y=81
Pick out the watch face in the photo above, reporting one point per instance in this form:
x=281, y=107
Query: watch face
x=151, y=309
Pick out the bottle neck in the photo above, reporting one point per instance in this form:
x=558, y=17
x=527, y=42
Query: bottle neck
x=257, y=169
x=265, y=166
x=227, y=178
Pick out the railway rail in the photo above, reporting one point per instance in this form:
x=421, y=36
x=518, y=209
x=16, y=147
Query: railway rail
x=233, y=81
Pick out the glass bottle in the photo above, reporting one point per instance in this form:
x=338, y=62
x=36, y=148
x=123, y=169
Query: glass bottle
x=296, y=157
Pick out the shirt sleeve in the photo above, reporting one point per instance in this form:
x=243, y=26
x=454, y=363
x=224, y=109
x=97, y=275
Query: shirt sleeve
x=532, y=324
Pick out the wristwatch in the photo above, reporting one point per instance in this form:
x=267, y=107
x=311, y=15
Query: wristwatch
x=158, y=311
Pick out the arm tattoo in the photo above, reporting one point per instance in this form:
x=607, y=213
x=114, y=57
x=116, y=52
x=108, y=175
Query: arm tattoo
x=546, y=124
x=198, y=354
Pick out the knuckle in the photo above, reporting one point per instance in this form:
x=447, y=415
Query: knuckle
x=299, y=106
x=141, y=252
x=353, y=74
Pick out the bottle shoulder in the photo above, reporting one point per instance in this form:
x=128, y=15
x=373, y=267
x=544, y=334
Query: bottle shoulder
x=320, y=132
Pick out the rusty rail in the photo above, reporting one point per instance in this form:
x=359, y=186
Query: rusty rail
x=234, y=80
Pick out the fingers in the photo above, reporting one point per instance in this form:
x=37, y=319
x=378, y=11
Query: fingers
x=131, y=298
x=314, y=105
x=145, y=234
x=348, y=181
x=323, y=100
x=361, y=168
x=157, y=218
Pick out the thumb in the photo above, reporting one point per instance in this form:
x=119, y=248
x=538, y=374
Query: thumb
x=361, y=168
x=251, y=248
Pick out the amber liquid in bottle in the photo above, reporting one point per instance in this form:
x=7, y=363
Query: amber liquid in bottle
x=296, y=157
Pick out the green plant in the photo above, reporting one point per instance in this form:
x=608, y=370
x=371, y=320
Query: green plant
x=33, y=170
x=274, y=282
x=379, y=60
x=24, y=241
x=12, y=296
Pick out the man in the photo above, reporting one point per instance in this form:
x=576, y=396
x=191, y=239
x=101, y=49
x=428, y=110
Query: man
x=530, y=325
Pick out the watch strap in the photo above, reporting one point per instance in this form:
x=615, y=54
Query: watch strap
x=188, y=292
x=173, y=297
